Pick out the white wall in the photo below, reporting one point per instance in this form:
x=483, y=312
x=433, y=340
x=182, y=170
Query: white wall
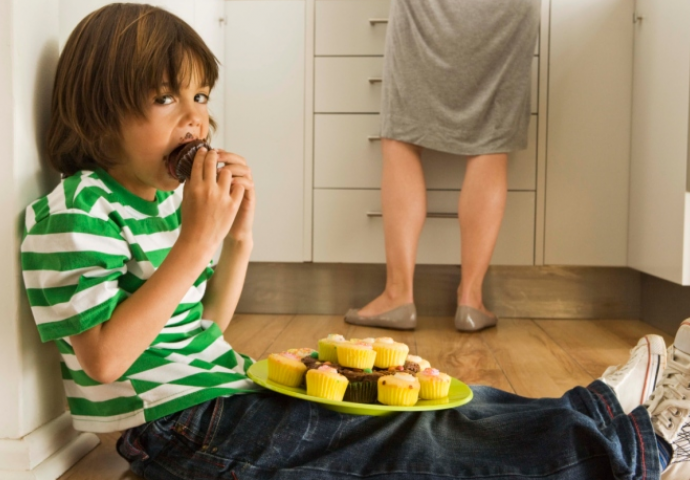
x=32, y=390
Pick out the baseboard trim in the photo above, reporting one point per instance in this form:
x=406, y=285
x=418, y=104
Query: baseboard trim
x=512, y=292
x=664, y=304
x=46, y=453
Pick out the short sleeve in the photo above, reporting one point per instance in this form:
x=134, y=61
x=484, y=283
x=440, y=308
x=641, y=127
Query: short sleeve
x=71, y=264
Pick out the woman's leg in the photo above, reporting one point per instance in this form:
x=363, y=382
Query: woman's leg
x=480, y=211
x=403, y=201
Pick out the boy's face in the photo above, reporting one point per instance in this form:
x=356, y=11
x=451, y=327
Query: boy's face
x=171, y=119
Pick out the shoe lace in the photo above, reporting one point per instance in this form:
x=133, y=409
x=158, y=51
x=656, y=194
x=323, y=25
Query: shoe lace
x=670, y=403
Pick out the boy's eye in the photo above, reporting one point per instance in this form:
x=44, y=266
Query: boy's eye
x=164, y=100
x=201, y=98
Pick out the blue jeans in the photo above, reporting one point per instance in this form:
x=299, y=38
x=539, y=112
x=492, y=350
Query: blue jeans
x=583, y=435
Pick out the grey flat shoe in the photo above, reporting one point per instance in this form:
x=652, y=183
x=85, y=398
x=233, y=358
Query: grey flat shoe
x=403, y=317
x=468, y=319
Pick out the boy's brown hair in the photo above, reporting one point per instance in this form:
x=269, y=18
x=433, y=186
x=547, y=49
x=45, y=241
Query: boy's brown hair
x=111, y=62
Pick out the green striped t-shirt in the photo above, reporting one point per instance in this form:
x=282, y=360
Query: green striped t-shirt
x=88, y=245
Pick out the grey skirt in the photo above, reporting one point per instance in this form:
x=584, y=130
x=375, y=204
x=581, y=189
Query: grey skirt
x=457, y=74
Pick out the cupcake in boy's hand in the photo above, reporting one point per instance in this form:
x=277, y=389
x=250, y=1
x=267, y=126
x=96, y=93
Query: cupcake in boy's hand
x=401, y=389
x=356, y=355
x=433, y=384
x=389, y=353
x=326, y=382
x=181, y=158
x=327, y=346
x=286, y=369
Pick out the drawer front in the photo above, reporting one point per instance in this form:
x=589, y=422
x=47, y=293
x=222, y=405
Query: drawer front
x=345, y=233
x=347, y=85
x=354, y=27
x=346, y=155
x=351, y=27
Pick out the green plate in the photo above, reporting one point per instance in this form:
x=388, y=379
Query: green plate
x=459, y=394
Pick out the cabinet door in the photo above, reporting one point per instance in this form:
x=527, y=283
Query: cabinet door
x=588, y=152
x=659, y=234
x=264, y=117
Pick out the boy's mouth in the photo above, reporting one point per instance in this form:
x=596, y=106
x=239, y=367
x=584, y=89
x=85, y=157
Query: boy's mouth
x=179, y=161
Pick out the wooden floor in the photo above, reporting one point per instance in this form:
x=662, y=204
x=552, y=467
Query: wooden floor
x=534, y=358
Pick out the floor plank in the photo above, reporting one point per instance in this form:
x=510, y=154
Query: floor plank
x=253, y=334
x=593, y=344
x=533, y=363
x=461, y=355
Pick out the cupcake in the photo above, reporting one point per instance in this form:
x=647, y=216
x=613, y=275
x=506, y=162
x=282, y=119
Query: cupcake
x=327, y=347
x=286, y=369
x=362, y=385
x=326, y=382
x=416, y=364
x=401, y=389
x=304, y=352
x=181, y=158
x=389, y=353
x=433, y=384
x=369, y=340
x=356, y=355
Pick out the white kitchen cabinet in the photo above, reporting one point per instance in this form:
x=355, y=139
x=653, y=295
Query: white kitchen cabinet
x=659, y=182
x=347, y=154
x=264, y=116
x=349, y=43
x=351, y=27
x=348, y=228
x=589, y=117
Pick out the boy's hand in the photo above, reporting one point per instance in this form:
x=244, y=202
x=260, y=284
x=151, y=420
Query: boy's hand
x=236, y=165
x=211, y=201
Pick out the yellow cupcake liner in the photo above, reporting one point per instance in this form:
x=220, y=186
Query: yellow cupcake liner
x=386, y=357
x=328, y=387
x=288, y=375
x=327, y=352
x=433, y=389
x=356, y=357
x=397, y=396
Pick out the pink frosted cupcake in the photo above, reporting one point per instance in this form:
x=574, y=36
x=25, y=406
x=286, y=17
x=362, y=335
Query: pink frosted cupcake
x=286, y=369
x=326, y=382
x=433, y=384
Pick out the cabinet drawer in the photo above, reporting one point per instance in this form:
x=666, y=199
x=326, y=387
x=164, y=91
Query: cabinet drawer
x=345, y=232
x=351, y=27
x=348, y=85
x=346, y=156
x=354, y=27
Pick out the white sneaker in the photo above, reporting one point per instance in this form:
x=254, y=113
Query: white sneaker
x=635, y=381
x=669, y=405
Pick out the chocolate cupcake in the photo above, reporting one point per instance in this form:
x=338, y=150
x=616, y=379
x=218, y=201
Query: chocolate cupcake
x=181, y=158
x=362, y=386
